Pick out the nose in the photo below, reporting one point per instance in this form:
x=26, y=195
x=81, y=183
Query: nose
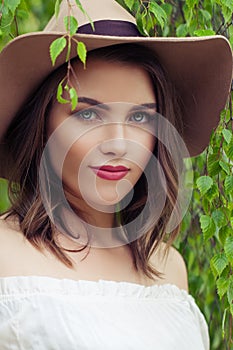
x=115, y=142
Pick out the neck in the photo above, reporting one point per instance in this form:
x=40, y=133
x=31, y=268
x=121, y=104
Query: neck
x=82, y=221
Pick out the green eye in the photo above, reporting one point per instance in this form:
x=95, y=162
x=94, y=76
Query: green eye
x=87, y=115
x=139, y=117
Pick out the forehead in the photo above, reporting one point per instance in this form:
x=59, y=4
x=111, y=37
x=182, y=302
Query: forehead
x=113, y=82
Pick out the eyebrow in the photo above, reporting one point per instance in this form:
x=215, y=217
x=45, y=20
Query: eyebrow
x=93, y=102
x=144, y=105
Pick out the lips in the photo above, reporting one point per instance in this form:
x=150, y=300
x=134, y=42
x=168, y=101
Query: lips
x=109, y=172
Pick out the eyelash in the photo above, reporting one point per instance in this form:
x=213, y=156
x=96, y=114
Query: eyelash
x=81, y=113
x=146, y=115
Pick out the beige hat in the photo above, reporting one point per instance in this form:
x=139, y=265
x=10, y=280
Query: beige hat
x=199, y=67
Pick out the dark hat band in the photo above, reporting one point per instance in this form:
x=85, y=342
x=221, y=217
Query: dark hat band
x=110, y=27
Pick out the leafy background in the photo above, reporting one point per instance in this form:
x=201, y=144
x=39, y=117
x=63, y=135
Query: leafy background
x=206, y=239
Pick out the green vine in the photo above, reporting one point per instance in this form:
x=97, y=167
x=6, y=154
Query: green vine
x=58, y=46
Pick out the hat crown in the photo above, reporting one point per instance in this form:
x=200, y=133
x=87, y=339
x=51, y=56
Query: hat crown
x=101, y=10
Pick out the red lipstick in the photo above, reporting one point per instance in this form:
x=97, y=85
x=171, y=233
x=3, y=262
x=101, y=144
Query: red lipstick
x=109, y=172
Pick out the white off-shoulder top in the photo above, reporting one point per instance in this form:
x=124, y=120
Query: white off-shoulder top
x=45, y=313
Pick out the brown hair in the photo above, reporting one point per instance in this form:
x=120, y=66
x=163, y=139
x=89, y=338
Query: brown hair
x=26, y=139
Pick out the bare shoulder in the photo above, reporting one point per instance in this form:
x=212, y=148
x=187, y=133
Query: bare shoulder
x=172, y=266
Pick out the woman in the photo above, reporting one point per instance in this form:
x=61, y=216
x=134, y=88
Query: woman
x=91, y=205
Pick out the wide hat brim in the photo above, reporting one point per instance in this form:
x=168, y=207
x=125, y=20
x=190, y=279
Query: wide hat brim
x=199, y=68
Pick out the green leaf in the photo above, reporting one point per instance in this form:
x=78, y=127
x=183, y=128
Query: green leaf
x=182, y=30
x=218, y=263
x=73, y=98
x=85, y=13
x=206, y=14
x=12, y=5
x=59, y=94
x=6, y=19
x=82, y=52
x=191, y=3
x=167, y=8
x=4, y=202
x=227, y=134
x=229, y=151
x=207, y=226
x=225, y=167
x=140, y=19
x=223, y=233
x=204, y=183
x=206, y=204
x=229, y=4
x=22, y=14
x=212, y=193
x=71, y=24
x=228, y=248
x=213, y=166
x=80, y=6
x=230, y=291
x=145, y=23
x=149, y=24
x=56, y=48
x=129, y=3
x=57, y=8
x=227, y=13
x=219, y=218
x=158, y=12
x=204, y=32
x=205, y=222
x=222, y=286
x=228, y=184
x=188, y=14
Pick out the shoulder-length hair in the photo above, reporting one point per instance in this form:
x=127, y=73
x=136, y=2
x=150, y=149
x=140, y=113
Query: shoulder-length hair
x=25, y=142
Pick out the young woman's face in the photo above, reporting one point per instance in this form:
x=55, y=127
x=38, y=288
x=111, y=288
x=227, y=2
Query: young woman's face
x=108, y=140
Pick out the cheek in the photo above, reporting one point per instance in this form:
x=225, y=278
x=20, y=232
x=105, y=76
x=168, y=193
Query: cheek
x=150, y=143
x=144, y=135
x=72, y=172
x=144, y=144
x=141, y=154
x=77, y=154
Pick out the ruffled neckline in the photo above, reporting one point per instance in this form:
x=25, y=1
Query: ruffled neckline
x=45, y=285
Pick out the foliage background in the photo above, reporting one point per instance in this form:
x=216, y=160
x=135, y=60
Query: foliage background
x=206, y=239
